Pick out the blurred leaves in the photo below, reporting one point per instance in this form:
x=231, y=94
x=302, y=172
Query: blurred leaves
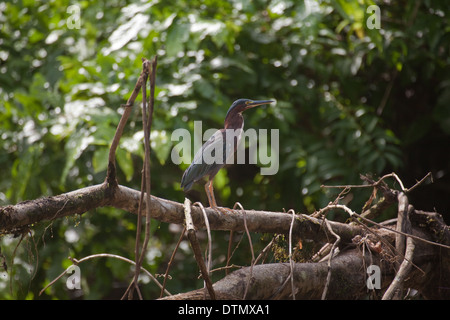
x=350, y=99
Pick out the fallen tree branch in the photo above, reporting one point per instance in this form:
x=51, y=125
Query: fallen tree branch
x=20, y=216
x=309, y=280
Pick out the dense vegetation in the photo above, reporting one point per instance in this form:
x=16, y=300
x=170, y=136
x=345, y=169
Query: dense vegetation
x=351, y=99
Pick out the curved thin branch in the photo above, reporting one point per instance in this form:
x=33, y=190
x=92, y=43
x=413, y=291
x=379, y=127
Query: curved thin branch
x=105, y=255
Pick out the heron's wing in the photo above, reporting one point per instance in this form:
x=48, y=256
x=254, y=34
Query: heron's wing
x=207, y=161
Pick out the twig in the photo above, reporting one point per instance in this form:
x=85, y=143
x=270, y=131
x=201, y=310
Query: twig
x=111, y=171
x=420, y=182
x=379, y=207
x=136, y=246
x=232, y=252
x=291, y=261
x=264, y=251
x=323, y=252
x=146, y=171
x=229, y=253
x=208, y=231
x=405, y=267
x=171, y=260
x=196, y=248
x=251, y=248
x=103, y=255
x=151, y=102
x=338, y=239
x=403, y=225
x=291, y=264
x=225, y=267
x=375, y=184
x=385, y=242
x=22, y=236
x=145, y=185
x=401, y=222
x=354, y=214
x=387, y=93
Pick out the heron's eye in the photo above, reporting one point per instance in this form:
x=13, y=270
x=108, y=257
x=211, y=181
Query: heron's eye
x=247, y=102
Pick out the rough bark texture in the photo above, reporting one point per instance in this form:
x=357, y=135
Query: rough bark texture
x=360, y=245
x=270, y=281
x=26, y=213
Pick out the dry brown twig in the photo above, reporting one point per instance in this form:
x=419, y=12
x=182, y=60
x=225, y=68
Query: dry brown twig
x=103, y=255
x=379, y=181
x=111, y=171
x=169, y=264
x=196, y=249
x=262, y=255
x=331, y=254
x=396, y=284
x=368, y=221
x=208, y=232
x=291, y=260
x=149, y=70
x=251, y=248
x=291, y=263
x=403, y=231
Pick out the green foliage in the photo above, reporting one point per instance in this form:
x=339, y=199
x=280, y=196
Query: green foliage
x=338, y=112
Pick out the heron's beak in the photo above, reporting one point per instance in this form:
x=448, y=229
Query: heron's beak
x=253, y=104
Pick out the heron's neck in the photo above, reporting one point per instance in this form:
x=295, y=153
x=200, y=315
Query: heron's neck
x=236, y=121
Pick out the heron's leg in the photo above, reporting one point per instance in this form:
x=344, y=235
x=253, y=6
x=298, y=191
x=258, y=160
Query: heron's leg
x=212, y=200
x=210, y=193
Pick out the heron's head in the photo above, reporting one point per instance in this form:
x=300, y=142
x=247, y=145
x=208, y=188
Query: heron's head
x=241, y=105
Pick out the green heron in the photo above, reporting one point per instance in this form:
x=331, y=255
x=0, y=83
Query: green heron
x=222, y=142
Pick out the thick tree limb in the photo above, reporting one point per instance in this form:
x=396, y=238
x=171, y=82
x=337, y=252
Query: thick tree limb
x=21, y=215
x=309, y=280
x=348, y=275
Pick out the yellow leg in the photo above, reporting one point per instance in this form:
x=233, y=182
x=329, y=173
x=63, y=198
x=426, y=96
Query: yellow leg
x=210, y=193
x=212, y=200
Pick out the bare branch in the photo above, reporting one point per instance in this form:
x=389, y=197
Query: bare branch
x=377, y=183
x=23, y=214
x=169, y=264
x=309, y=280
x=404, y=270
x=196, y=248
x=104, y=255
x=338, y=239
x=111, y=172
